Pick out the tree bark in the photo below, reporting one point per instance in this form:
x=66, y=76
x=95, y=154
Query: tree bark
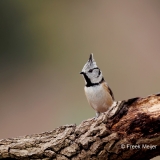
x=128, y=130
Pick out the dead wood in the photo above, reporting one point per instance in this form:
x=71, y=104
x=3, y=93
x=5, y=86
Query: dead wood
x=129, y=130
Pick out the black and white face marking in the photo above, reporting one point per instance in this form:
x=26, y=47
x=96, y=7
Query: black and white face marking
x=91, y=72
x=89, y=82
x=95, y=75
x=95, y=71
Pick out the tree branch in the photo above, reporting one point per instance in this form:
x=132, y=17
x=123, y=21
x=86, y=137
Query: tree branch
x=129, y=130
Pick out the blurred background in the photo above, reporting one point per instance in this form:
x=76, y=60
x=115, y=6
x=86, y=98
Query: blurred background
x=45, y=44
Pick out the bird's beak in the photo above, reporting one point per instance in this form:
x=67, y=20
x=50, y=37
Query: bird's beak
x=81, y=73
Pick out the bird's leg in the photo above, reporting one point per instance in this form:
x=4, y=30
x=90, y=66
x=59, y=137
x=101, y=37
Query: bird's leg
x=97, y=115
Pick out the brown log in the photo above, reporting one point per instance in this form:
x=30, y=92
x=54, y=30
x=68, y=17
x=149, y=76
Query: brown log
x=129, y=130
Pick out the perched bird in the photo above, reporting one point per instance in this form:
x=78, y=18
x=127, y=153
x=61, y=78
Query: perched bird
x=98, y=93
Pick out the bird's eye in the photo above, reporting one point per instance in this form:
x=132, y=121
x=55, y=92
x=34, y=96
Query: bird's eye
x=90, y=70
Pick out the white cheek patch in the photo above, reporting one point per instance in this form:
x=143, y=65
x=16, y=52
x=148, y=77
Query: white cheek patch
x=95, y=73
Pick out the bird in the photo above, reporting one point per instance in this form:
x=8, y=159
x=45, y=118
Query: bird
x=98, y=93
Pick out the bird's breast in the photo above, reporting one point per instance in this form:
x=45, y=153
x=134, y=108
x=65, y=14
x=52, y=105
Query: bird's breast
x=98, y=97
